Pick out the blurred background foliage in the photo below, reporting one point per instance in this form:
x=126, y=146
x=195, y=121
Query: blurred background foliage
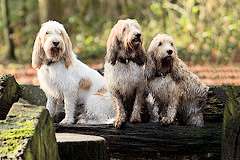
x=205, y=31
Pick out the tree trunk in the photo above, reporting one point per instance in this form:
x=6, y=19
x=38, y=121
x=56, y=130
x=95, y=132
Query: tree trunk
x=8, y=31
x=50, y=10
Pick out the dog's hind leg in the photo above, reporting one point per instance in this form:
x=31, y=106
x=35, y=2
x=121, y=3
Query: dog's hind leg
x=171, y=112
x=194, y=114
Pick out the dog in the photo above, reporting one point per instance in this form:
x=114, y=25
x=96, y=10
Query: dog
x=63, y=77
x=177, y=92
x=123, y=70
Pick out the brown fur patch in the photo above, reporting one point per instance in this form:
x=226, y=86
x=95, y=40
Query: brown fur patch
x=85, y=83
x=101, y=91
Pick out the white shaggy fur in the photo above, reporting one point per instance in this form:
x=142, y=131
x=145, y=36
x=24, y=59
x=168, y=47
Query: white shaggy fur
x=61, y=79
x=123, y=71
x=124, y=78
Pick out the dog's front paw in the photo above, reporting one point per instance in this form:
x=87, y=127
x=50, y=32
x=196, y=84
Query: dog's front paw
x=166, y=120
x=119, y=123
x=135, y=118
x=66, y=121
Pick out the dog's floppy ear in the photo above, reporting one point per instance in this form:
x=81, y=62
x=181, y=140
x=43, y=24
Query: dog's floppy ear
x=38, y=53
x=112, y=46
x=68, y=49
x=177, y=70
x=150, y=67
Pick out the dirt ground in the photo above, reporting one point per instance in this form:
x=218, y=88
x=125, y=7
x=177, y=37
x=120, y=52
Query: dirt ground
x=210, y=74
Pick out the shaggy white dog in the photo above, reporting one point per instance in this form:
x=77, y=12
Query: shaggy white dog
x=123, y=71
x=64, y=78
x=178, y=93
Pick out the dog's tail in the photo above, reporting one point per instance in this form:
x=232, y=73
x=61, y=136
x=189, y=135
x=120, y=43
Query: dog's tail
x=99, y=109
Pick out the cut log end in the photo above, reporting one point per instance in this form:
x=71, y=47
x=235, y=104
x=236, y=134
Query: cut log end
x=86, y=146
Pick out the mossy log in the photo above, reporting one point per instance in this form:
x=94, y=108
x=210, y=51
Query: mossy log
x=9, y=93
x=28, y=134
x=87, y=147
x=231, y=127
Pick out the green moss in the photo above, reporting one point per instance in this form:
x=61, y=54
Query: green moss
x=13, y=139
x=28, y=134
x=17, y=128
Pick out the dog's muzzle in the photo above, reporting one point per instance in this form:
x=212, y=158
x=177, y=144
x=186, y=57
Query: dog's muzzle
x=167, y=62
x=55, y=49
x=136, y=41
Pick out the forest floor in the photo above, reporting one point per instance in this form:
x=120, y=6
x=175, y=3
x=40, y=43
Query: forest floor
x=210, y=74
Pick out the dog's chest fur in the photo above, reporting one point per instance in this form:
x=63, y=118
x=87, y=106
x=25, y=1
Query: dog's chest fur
x=55, y=80
x=124, y=78
x=58, y=81
x=163, y=88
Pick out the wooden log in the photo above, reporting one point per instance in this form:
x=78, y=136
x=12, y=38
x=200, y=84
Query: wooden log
x=32, y=94
x=231, y=127
x=9, y=93
x=151, y=139
x=81, y=147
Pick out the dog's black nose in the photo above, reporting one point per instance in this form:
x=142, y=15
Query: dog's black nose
x=138, y=35
x=169, y=52
x=55, y=43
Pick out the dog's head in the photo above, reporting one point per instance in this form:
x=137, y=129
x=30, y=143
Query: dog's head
x=126, y=36
x=127, y=32
x=52, y=44
x=163, y=52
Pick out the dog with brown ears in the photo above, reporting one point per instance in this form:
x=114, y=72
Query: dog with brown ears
x=177, y=92
x=123, y=70
x=65, y=79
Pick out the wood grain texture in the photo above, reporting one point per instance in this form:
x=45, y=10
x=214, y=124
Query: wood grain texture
x=9, y=93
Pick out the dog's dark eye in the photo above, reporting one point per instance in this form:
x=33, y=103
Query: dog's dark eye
x=47, y=33
x=160, y=43
x=171, y=44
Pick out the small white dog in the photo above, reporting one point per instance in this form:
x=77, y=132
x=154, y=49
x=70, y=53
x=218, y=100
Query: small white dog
x=64, y=78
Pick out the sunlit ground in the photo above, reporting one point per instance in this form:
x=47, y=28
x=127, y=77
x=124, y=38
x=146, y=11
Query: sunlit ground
x=210, y=74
